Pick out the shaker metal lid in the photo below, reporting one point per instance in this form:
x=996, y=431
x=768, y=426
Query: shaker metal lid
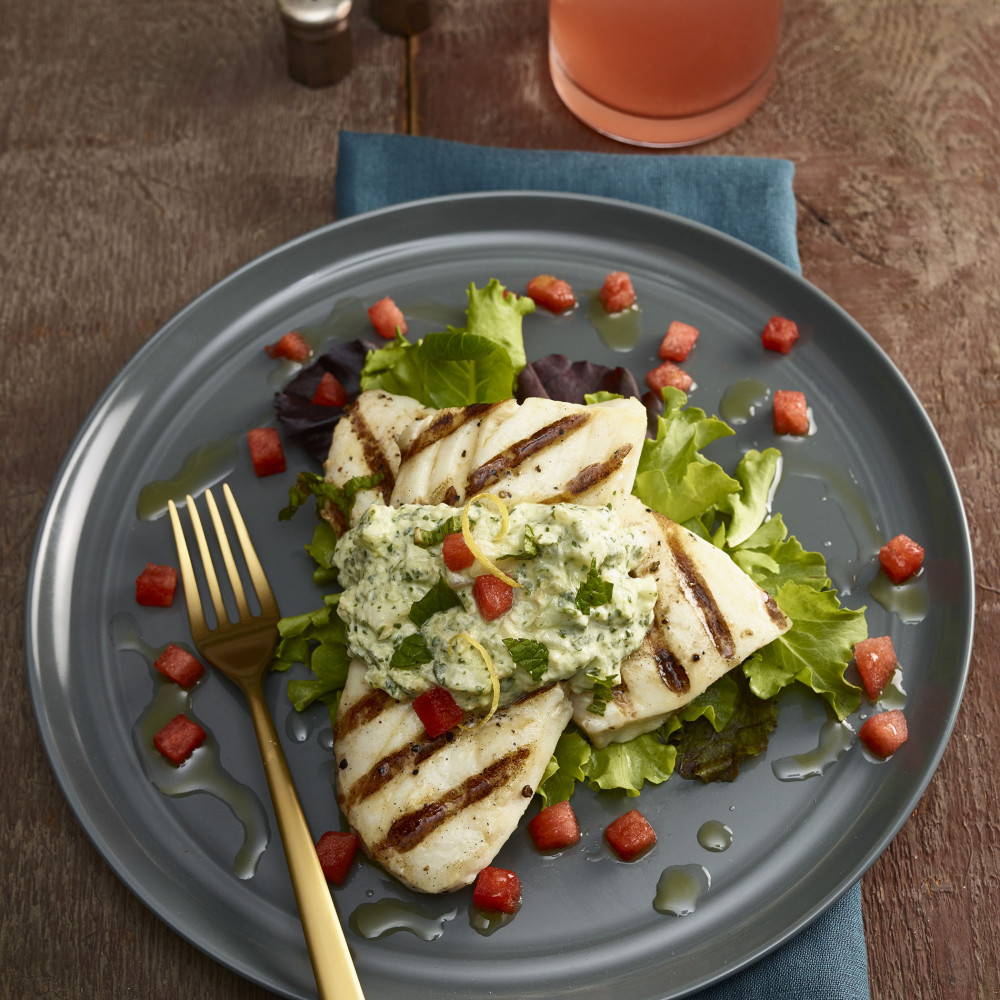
x=318, y=39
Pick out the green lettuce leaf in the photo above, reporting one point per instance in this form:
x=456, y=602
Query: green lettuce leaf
x=714, y=753
x=673, y=476
x=815, y=651
x=316, y=639
x=457, y=367
x=494, y=314
x=321, y=548
x=628, y=766
x=771, y=558
x=746, y=508
x=454, y=368
x=311, y=484
x=567, y=766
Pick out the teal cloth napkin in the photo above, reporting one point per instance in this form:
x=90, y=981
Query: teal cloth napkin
x=743, y=196
x=750, y=199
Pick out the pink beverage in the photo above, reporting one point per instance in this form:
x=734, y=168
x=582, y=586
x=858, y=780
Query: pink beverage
x=663, y=72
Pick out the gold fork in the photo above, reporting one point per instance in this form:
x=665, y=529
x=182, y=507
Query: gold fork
x=242, y=650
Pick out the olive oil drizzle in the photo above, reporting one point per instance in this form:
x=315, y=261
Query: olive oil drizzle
x=203, y=770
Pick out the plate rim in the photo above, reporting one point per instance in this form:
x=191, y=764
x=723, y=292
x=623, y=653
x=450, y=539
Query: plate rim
x=45, y=527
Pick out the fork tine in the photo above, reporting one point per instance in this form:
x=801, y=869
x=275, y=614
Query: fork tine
x=195, y=614
x=221, y=615
x=227, y=557
x=260, y=585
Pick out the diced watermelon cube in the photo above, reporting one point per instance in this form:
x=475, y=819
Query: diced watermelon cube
x=884, y=733
x=329, y=392
x=630, y=835
x=155, y=586
x=180, y=666
x=386, y=316
x=266, y=452
x=493, y=596
x=901, y=557
x=456, y=553
x=554, y=827
x=791, y=414
x=678, y=341
x=551, y=293
x=780, y=334
x=437, y=710
x=617, y=292
x=178, y=739
x=336, y=850
x=875, y=659
x=292, y=346
x=668, y=374
x=498, y=890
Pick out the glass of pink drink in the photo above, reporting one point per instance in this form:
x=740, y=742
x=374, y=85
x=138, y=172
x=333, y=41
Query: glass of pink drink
x=663, y=72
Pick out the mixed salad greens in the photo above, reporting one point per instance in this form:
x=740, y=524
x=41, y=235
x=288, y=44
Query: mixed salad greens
x=706, y=739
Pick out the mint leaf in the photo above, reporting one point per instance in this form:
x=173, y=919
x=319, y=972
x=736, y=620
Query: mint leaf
x=411, y=652
x=530, y=549
x=603, y=692
x=439, y=598
x=593, y=592
x=530, y=655
x=673, y=476
x=427, y=538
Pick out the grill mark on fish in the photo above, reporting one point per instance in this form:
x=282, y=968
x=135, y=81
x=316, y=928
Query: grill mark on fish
x=405, y=759
x=375, y=458
x=590, y=476
x=774, y=612
x=444, y=423
x=718, y=627
x=411, y=829
x=671, y=672
x=510, y=458
x=363, y=711
x=336, y=518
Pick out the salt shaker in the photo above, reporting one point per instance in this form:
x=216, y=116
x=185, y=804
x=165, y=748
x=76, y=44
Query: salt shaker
x=318, y=38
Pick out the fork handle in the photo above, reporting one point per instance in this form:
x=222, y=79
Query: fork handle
x=331, y=961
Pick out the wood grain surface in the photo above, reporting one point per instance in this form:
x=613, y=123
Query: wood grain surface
x=147, y=150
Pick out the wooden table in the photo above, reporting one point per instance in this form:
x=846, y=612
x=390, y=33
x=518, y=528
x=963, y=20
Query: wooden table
x=147, y=150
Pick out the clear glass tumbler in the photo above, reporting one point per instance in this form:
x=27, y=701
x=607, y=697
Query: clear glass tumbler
x=663, y=72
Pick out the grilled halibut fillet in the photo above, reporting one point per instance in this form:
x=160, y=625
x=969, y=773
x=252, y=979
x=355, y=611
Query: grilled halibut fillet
x=364, y=443
x=434, y=812
x=709, y=617
x=542, y=450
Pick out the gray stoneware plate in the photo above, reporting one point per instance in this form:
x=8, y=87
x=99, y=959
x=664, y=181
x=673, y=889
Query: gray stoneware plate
x=178, y=413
